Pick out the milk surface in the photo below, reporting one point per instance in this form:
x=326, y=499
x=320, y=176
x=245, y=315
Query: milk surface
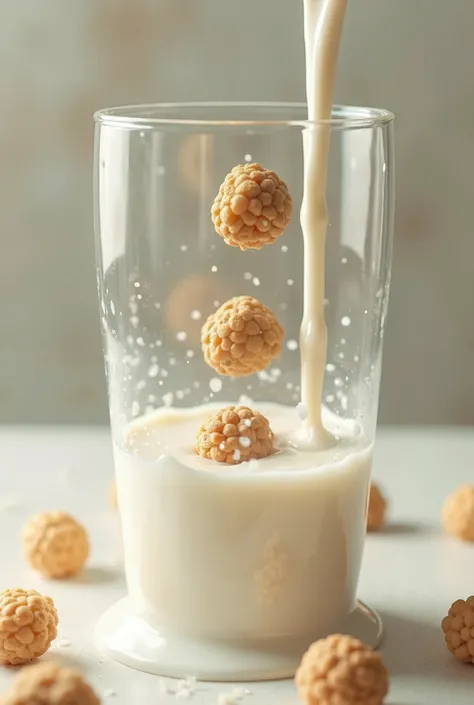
x=270, y=548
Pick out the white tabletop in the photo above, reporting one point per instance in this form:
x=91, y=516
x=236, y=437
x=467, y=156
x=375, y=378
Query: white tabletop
x=412, y=572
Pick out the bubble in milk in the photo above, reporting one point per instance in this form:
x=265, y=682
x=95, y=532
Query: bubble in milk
x=196, y=315
x=181, y=335
x=292, y=345
x=153, y=371
x=215, y=385
x=345, y=321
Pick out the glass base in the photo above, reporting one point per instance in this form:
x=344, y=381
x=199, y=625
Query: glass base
x=130, y=640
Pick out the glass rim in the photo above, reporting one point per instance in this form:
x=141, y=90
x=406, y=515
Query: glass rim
x=147, y=115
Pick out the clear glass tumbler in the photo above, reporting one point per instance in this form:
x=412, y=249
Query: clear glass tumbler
x=232, y=571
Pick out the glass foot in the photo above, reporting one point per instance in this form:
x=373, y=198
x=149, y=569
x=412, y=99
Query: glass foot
x=130, y=640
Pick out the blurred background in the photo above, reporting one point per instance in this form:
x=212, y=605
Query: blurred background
x=62, y=61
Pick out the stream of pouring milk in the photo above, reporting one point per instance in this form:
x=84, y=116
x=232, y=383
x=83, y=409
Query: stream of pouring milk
x=323, y=20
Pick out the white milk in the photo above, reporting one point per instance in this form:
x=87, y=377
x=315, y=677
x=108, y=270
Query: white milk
x=323, y=21
x=269, y=548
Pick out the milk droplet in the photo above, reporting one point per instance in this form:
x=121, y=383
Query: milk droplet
x=181, y=335
x=330, y=398
x=290, y=282
x=341, y=355
x=196, y=315
x=215, y=384
x=135, y=408
x=153, y=371
x=302, y=411
x=136, y=285
x=344, y=260
x=292, y=345
x=167, y=399
x=248, y=158
x=248, y=276
x=183, y=248
x=236, y=455
x=112, y=308
x=244, y=441
x=256, y=281
x=284, y=248
x=189, y=353
x=345, y=321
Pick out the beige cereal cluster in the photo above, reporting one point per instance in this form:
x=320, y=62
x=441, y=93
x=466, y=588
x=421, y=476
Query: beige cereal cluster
x=376, y=509
x=55, y=544
x=340, y=670
x=235, y=434
x=49, y=684
x=28, y=625
x=253, y=207
x=458, y=628
x=242, y=337
x=458, y=513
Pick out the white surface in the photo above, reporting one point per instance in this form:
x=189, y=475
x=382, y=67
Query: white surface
x=411, y=572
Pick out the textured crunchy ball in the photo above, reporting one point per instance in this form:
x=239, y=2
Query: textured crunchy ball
x=458, y=513
x=49, y=684
x=55, y=544
x=253, y=207
x=377, y=508
x=242, y=337
x=458, y=628
x=28, y=625
x=340, y=670
x=235, y=434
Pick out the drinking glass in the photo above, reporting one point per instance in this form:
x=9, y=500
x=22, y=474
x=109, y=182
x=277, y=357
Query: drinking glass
x=162, y=270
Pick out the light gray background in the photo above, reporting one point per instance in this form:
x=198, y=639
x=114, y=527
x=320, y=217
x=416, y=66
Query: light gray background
x=62, y=60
